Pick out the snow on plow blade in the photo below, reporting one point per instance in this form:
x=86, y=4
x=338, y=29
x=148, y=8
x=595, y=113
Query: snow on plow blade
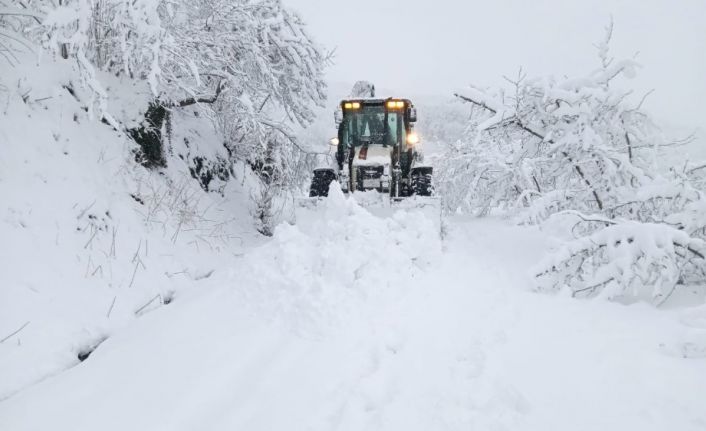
x=380, y=205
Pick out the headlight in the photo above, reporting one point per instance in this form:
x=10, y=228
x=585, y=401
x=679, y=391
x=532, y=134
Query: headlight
x=412, y=138
x=333, y=142
x=395, y=104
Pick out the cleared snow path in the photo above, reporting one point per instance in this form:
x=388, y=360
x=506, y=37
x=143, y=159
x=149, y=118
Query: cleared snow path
x=352, y=322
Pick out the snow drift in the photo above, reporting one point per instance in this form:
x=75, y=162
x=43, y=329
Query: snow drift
x=91, y=240
x=336, y=259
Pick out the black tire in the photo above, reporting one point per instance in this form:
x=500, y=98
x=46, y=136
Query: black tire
x=421, y=181
x=321, y=181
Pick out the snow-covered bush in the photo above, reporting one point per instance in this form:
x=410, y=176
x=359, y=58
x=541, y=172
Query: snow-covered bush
x=627, y=260
x=581, y=149
x=642, y=249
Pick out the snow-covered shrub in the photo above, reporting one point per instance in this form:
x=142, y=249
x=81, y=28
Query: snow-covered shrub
x=281, y=165
x=627, y=260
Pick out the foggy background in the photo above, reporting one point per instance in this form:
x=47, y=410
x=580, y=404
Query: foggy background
x=419, y=47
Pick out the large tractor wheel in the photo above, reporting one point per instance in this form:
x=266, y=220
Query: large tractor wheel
x=421, y=181
x=321, y=181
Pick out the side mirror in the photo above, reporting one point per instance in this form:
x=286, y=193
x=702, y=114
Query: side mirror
x=412, y=114
x=338, y=116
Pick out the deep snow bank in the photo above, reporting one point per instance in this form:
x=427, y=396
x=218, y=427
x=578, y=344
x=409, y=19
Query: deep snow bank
x=337, y=257
x=89, y=239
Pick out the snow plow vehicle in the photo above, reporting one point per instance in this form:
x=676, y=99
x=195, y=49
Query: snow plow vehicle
x=376, y=149
x=377, y=158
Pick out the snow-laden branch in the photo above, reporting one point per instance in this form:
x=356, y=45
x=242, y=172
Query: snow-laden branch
x=16, y=11
x=510, y=117
x=626, y=259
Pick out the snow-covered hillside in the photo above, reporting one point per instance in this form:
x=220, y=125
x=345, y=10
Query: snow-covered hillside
x=356, y=322
x=92, y=240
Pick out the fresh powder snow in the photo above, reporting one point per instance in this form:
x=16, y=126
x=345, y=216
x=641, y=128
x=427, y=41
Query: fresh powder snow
x=163, y=265
x=350, y=321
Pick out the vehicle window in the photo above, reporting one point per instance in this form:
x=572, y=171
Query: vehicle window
x=367, y=127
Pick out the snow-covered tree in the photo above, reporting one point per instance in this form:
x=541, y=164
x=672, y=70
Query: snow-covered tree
x=252, y=54
x=579, y=149
x=578, y=137
x=249, y=65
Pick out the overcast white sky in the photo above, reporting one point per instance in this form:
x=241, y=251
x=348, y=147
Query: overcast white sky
x=435, y=46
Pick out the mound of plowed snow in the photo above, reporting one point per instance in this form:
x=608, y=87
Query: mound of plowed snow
x=335, y=259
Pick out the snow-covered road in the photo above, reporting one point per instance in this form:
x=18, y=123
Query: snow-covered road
x=360, y=323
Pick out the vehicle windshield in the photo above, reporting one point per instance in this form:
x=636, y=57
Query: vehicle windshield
x=367, y=126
